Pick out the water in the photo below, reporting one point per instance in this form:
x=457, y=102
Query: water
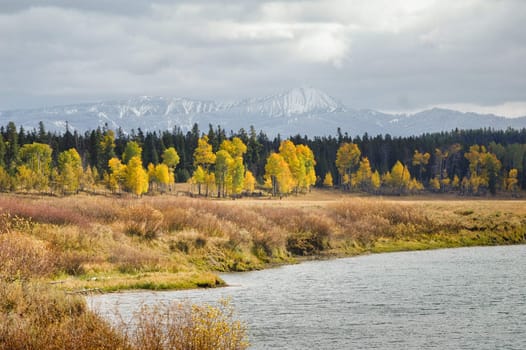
x=468, y=298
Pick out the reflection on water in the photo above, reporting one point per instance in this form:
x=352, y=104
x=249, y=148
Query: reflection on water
x=468, y=298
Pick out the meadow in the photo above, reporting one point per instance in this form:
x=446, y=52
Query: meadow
x=54, y=248
x=168, y=242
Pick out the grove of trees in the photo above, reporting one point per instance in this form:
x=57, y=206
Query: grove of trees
x=467, y=162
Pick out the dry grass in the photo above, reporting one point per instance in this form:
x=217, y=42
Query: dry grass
x=182, y=325
x=33, y=316
x=36, y=317
x=167, y=234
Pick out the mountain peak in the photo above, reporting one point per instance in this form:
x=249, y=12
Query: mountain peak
x=300, y=100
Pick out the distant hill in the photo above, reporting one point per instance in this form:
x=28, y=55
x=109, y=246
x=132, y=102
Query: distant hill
x=305, y=111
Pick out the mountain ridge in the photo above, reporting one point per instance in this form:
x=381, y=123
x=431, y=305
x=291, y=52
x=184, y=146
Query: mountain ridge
x=304, y=110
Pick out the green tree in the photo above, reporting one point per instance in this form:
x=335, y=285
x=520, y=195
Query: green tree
x=2, y=151
x=36, y=157
x=12, y=146
x=105, y=150
x=307, y=173
x=222, y=165
x=5, y=180
x=132, y=149
x=170, y=158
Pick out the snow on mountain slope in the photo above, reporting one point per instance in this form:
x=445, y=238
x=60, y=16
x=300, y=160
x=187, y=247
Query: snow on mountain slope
x=305, y=111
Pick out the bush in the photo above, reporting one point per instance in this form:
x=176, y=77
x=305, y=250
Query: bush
x=182, y=325
x=144, y=221
x=22, y=257
x=37, y=317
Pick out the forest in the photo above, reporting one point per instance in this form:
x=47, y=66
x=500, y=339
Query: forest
x=221, y=163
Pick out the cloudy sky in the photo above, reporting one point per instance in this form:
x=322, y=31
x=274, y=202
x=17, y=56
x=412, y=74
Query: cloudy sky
x=382, y=54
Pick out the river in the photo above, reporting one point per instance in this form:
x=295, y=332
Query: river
x=466, y=298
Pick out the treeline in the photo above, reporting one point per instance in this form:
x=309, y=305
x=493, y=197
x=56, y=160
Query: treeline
x=470, y=162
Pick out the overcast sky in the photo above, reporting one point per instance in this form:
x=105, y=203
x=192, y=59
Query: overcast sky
x=381, y=54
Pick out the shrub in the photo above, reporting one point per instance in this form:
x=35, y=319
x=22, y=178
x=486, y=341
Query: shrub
x=182, y=325
x=143, y=221
x=22, y=257
x=36, y=317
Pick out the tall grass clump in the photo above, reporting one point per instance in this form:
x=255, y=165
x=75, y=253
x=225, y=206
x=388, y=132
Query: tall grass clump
x=182, y=325
x=22, y=257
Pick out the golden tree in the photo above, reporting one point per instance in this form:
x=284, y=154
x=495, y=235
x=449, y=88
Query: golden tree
x=347, y=158
x=136, y=177
x=327, y=180
x=277, y=170
x=70, y=170
x=249, y=183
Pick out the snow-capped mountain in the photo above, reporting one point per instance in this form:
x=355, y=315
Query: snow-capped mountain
x=305, y=111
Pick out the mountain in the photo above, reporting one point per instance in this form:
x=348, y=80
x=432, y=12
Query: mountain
x=305, y=111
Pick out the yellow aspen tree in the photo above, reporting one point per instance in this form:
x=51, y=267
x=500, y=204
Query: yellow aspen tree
x=162, y=176
x=434, y=184
x=199, y=178
x=70, y=170
x=204, y=157
x=25, y=178
x=87, y=181
x=400, y=177
x=150, y=169
x=171, y=159
x=236, y=147
x=237, y=172
x=249, y=183
x=456, y=182
x=203, y=154
x=117, y=176
x=327, y=180
x=287, y=150
x=36, y=157
x=347, y=158
x=307, y=176
x=136, y=177
x=363, y=175
x=210, y=181
x=512, y=181
x=420, y=160
x=415, y=186
x=375, y=180
x=222, y=165
x=277, y=170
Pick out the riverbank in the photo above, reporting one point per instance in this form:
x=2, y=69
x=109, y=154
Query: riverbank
x=108, y=244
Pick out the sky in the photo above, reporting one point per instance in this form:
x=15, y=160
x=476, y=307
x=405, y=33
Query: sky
x=396, y=56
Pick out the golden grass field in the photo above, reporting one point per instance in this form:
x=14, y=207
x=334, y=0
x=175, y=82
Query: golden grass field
x=53, y=248
x=173, y=242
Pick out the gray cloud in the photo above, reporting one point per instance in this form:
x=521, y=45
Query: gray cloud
x=382, y=54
